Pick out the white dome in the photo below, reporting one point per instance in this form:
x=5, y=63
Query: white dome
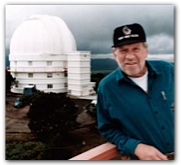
x=42, y=34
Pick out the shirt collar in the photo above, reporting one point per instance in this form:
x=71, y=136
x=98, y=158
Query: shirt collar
x=152, y=71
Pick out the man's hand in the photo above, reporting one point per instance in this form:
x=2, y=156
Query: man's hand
x=147, y=152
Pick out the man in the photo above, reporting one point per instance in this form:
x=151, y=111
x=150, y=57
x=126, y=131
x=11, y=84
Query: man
x=135, y=102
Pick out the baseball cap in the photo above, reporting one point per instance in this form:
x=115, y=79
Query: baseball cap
x=128, y=34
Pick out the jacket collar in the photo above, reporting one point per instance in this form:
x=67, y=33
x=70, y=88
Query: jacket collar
x=152, y=71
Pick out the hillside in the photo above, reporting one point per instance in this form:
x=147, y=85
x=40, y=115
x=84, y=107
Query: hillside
x=103, y=64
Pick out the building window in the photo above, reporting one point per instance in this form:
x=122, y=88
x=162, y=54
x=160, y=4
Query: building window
x=65, y=84
x=49, y=85
x=30, y=75
x=30, y=63
x=49, y=75
x=49, y=63
x=65, y=73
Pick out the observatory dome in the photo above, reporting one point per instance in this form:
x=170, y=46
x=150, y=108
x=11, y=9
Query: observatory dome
x=42, y=34
x=43, y=54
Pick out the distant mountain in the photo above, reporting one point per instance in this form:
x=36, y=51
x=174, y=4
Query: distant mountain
x=7, y=57
x=103, y=64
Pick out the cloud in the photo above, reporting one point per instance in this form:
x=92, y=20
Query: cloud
x=161, y=44
x=93, y=25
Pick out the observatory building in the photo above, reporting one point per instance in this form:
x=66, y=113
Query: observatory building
x=43, y=53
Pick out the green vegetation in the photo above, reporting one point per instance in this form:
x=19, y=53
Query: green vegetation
x=105, y=72
x=51, y=113
x=24, y=151
x=9, y=81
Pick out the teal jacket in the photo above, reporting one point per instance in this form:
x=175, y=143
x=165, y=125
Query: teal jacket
x=127, y=115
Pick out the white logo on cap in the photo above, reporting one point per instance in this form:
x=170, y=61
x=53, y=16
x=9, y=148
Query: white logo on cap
x=126, y=30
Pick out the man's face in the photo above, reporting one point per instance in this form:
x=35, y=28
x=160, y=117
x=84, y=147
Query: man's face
x=131, y=58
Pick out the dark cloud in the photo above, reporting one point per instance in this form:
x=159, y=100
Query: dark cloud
x=93, y=25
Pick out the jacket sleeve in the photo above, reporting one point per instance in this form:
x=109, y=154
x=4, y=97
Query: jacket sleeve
x=109, y=129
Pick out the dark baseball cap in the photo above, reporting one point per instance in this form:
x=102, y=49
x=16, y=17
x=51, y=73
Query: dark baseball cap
x=128, y=34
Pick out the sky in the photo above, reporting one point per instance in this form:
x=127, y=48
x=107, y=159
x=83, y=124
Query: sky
x=92, y=25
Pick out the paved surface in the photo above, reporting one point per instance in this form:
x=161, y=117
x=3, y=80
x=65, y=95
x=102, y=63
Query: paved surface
x=16, y=119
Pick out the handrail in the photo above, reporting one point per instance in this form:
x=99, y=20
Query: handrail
x=104, y=151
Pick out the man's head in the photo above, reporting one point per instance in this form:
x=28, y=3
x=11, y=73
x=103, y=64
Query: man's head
x=130, y=49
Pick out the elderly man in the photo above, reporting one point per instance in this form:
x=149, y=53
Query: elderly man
x=135, y=102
